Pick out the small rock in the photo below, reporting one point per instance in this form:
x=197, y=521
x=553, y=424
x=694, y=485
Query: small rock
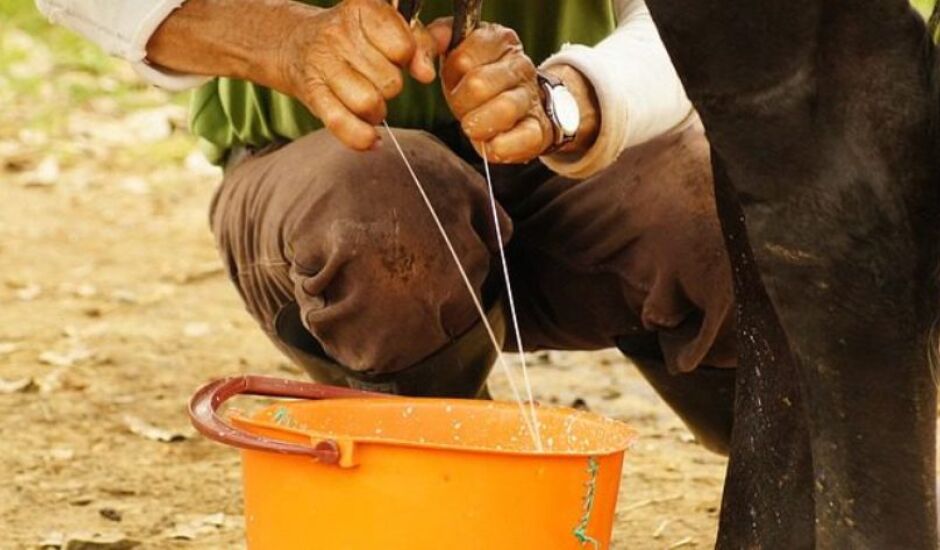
x=93, y=312
x=580, y=404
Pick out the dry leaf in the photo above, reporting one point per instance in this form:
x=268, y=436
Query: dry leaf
x=197, y=163
x=45, y=174
x=111, y=514
x=610, y=394
x=84, y=290
x=98, y=541
x=22, y=385
x=61, y=453
x=83, y=500
x=197, y=274
x=29, y=292
x=51, y=382
x=54, y=539
x=151, y=125
x=124, y=296
x=196, y=330
x=658, y=533
x=58, y=359
x=87, y=541
x=196, y=527
x=143, y=428
x=135, y=185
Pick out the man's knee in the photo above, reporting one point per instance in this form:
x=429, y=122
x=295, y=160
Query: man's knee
x=376, y=284
x=366, y=207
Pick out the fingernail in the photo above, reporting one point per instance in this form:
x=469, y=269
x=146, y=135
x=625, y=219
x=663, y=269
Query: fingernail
x=376, y=145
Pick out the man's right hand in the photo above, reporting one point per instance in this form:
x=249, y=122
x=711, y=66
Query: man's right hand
x=344, y=63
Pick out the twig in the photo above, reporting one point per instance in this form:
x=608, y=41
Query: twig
x=662, y=527
x=687, y=541
x=650, y=501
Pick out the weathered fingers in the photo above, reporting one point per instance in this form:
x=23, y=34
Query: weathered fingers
x=348, y=64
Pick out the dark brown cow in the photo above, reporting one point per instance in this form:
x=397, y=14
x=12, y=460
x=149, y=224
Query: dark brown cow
x=823, y=122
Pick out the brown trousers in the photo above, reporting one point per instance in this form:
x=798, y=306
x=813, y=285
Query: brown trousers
x=344, y=238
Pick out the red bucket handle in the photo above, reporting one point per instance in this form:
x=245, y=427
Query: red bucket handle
x=205, y=403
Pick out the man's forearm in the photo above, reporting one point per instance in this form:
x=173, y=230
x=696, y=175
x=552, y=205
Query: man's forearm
x=637, y=90
x=230, y=38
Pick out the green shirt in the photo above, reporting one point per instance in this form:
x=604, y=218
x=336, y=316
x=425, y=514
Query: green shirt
x=225, y=113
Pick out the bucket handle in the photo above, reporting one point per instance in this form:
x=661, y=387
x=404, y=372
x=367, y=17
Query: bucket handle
x=204, y=406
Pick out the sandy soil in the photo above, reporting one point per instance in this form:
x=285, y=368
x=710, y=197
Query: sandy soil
x=114, y=309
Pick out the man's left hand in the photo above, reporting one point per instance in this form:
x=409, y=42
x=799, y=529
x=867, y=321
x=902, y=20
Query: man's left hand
x=492, y=89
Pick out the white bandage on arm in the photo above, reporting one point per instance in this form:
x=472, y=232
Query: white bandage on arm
x=638, y=91
x=122, y=28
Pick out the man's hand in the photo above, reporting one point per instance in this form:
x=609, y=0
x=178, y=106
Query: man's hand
x=344, y=63
x=492, y=89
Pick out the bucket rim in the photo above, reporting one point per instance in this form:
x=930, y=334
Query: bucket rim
x=626, y=437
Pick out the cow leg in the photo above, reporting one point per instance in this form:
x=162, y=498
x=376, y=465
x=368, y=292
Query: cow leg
x=768, y=496
x=850, y=309
x=823, y=117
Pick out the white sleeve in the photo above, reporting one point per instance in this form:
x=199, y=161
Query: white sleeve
x=122, y=28
x=638, y=90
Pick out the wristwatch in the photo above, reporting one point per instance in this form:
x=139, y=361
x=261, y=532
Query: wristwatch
x=562, y=109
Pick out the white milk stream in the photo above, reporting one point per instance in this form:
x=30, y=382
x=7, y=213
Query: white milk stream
x=530, y=418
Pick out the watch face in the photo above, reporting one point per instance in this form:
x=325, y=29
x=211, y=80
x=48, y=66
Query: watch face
x=566, y=110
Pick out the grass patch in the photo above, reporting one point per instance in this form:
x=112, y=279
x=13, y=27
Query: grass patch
x=48, y=74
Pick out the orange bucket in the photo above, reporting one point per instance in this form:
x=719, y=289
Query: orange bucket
x=355, y=471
